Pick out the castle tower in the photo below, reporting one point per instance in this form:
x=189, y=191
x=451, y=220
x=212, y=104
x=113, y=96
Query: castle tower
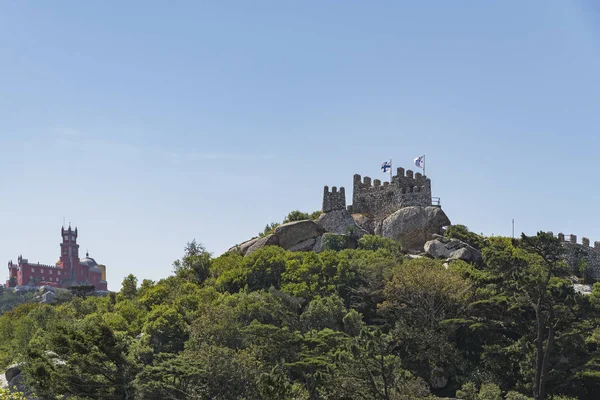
x=69, y=253
x=334, y=200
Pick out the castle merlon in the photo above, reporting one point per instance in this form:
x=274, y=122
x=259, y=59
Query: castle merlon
x=572, y=239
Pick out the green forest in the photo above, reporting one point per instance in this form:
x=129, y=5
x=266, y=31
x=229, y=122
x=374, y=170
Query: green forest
x=367, y=323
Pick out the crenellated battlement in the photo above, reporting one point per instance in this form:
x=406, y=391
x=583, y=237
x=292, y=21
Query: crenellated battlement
x=572, y=239
x=376, y=198
x=334, y=199
x=36, y=265
x=581, y=252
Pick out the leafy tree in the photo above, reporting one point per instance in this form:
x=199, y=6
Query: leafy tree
x=195, y=264
x=421, y=299
x=337, y=242
x=296, y=216
x=467, y=392
x=375, y=242
x=324, y=312
x=462, y=233
x=489, y=391
x=269, y=228
x=165, y=329
x=211, y=373
x=549, y=250
x=7, y=394
x=83, y=359
x=128, y=287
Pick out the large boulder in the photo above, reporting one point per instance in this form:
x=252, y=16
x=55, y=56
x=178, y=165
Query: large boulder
x=413, y=226
x=292, y=233
x=365, y=222
x=340, y=221
x=306, y=245
x=451, y=249
x=48, y=297
x=12, y=371
x=318, y=247
x=269, y=240
x=242, y=248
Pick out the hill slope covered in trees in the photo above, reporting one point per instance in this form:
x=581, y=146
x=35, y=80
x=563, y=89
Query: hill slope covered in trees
x=368, y=323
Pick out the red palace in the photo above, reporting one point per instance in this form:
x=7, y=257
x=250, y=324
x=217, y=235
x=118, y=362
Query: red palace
x=68, y=271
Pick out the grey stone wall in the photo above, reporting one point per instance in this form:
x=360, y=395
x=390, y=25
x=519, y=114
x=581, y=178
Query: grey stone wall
x=334, y=200
x=578, y=253
x=379, y=200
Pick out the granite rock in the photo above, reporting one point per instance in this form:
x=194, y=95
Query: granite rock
x=451, y=249
x=243, y=248
x=292, y=233
x=340, y=221
x=269, y=240
x=413, y=226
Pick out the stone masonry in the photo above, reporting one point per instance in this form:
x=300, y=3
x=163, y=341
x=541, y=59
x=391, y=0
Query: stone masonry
x=380, y=200
x=582, y=253
x=334, y=200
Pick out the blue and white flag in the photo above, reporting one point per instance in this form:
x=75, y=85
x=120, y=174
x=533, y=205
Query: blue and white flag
x=386, y=165
x=420, y=161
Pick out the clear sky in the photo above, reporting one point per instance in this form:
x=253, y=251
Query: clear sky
x=150, y=123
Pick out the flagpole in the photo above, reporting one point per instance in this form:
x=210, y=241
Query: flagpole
x=424, y=165
x=390, y=170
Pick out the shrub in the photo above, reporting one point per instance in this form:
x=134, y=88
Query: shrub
x=374, y=242
x=463, y=234
x=269, y=228
x=335, y=242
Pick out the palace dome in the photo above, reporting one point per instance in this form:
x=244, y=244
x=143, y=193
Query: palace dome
x=88, y=261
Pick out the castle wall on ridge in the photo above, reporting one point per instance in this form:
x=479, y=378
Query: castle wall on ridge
x=580, y=255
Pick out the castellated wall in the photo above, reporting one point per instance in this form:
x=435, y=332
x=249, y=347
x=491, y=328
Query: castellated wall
x=578, y=253
x=377, y=199
x=334, y=200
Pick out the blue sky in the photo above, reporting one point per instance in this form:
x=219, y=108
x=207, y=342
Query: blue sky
x=149, y=123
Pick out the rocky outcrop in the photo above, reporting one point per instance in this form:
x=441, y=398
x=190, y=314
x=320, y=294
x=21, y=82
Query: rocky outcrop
x=242, y=248
x=306, y=245
x=293, y=233
x=48, y=298
x=340, y=221
x=451, y=249
x=318, y=247
x=365, y=222
x=269, y=240
x=413, y=226
x=584, y=289
x=12, y=371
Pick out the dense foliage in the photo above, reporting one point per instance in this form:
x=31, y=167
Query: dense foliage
x=369, y=323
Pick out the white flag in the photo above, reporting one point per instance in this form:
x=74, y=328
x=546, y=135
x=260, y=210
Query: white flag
x=420, y=161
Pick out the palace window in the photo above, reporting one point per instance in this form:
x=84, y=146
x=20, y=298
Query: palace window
x=42, y=271
x=58, y=273
x=32, y=269
x=50, y=272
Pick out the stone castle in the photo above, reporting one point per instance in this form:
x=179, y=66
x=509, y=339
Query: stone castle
x=379, y=200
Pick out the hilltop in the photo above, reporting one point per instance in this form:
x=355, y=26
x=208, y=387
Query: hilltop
x=380, y=299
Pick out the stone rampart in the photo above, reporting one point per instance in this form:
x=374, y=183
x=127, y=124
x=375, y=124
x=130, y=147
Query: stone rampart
x=582, y=254
x=377, y=199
